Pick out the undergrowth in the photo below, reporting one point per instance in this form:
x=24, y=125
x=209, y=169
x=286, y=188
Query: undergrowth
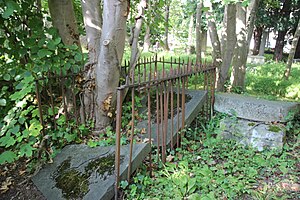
x=207, y=167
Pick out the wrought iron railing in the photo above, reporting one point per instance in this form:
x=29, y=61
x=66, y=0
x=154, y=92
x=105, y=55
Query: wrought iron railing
x=167, y=83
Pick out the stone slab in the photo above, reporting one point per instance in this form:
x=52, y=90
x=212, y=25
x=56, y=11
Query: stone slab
x=257, y=135
x=255, y=59
x=92, y=181
x=254, y=109
x=192, y=109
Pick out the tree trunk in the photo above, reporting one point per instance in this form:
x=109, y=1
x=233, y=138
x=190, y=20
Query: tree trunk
x=112, y=45
x=229, y=41
x=198, y=31
x=166, y=42
x=191, y=47
x=292, y=52
x=216, y=46
x=92, y=17
x=297, y=53
x=135, y=52
x=257, y=39
x=278, y=52
x=63, y=18
x=147, y=41
x=203, y=41
x=285, y=16
x=263, y=43
x=243, y=41
x=240, y=51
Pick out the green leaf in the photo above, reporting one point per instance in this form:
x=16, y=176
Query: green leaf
x=6, y=77
x=15, y=129
x=191, y=184
x=7, y=141
x=43, y=53
x=78, y=57
x=194, y=196
x=2, y=102
x=70, y=137
x=7, y=156
x=35, y=128
x=92, y=143
x=11, y=6
x=26, y=149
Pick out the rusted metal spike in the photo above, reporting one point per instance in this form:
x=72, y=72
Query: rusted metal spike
x=178, y=111
x=172, y=114
x=157, y=123
x=132, y=133
x=149, y=127
x=162, y=123
x=52, y=103
x=118, y=140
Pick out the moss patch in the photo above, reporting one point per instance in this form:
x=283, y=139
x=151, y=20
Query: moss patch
x=251, y=124
x=274, y=128
x=74, y=183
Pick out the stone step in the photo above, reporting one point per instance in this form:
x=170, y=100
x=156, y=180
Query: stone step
x=251, y=108
x=255, y=134
x=81, y=172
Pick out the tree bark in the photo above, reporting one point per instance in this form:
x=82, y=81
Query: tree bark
x=147, y=41
x=63, y=18
x=229, y=41
x=166, y=35
x=198, y=31
x=203, y=42
x=216, y=46
x=191, y=47
x=92, y=17
x=135, y=52
x=297, y=53
x=257, y=40
x=240, y=51
x=112, y=45
x=278, y=52
x=285, y=16
x=243, y=41
x=292, y=52
x=263, y=43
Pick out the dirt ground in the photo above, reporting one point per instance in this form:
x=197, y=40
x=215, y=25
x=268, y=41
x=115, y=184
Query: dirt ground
x=16, y=183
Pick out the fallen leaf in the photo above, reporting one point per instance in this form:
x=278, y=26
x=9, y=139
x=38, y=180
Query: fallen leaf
x=5, y=185
x=169, y=158
x=109, y=114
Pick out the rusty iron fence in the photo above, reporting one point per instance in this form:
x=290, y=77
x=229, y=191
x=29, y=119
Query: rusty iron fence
x=162, y=86
x=58, y=101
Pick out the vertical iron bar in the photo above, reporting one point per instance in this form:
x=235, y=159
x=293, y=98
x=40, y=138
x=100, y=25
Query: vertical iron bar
x=74, y=101
x=183, y=107
x=52, y=102
x=172, y=115
x=64, y=96
x=132, y=133
x=157, y=122
x=162, y=122
x=149, y=125
x=118, y=141
x=178, y=111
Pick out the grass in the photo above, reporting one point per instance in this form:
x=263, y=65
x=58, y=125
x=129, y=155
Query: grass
x=208, y=167
x=267, y=81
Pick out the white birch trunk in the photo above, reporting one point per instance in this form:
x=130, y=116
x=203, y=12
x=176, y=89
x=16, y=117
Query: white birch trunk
x=112, y=45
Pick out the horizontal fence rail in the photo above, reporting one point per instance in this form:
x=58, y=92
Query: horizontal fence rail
x=162, y=87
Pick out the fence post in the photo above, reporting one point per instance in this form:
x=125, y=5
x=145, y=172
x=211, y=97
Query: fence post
x=118, y=140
